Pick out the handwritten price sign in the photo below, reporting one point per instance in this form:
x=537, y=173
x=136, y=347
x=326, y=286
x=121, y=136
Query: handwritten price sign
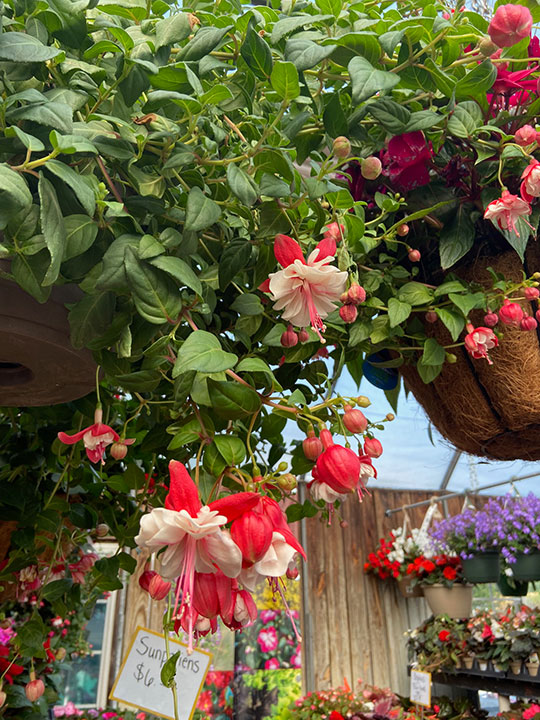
x=421, y=688
x=139, y=681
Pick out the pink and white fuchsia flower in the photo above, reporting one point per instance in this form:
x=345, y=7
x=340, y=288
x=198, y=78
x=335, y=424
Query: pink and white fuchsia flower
x=530, y=185
x=506, y=210
x=306, y=291
x=480, y=341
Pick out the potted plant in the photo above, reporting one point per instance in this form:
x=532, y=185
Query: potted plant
x=442, y=581
x=516, y=522
x=470, y=535
x=437, y=644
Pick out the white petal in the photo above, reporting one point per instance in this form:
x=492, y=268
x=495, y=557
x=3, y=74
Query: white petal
x=224, y=552
x=277, y=558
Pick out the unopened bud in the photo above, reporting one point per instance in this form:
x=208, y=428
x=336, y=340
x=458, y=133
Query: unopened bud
x=356, y=294
x=334, y=231
x=282, y=467
x=60, y=654
x=341, y=147
x=312, y=447
x=34, y=689
x=373, y=447
x=118, y=450
x=289, y=338
x=487, y=47
x=292, y=572
x=371, y=168
x=303, y=335
x=532, y=293
x=363, y=401
x=348, y=313
x=102, y=530
x=526, y=135
x=354, y=420
x=431, y=316
x=3, y=697
x=451, y=358
x=287, y=482
x=390, y=417
x=344, y=524
x=491, y=319
x=403, y=230
x=158, y=587
x=414, y=255
x=528, y=323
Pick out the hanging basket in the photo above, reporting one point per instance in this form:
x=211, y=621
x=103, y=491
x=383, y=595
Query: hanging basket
x=482, y=568
x=455, y=601
x=488, y=410
x=38, y=364
x=527, y=567
x=409, y=589
x=516, y=588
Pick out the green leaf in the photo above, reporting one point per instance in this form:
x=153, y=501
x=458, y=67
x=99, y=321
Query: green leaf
x=257, y=54
x=415, y=293
x=466, y=303
x=29, y=273
x=80, y=186
x=335, y=121
x=242, y=185
x=453, y=322
x=55, y=115
x=398, y=311
x=91, y=317
x=464, y=120
x=284, y=80
x=457, y=237
x=206, y=39
x=368, y=81
x=71, y=144
x=392, y=116
x=81, y=231
x=202, y=351
x=428, y=373
x=234, y=258
x=30, y=636
x=180, y=270
x=288, y=24
x=231, y=400
x=518, y=240
x=254, y=365
x=23, y=48
x=14, y=194
x=155, y=295
x=247, y=304
x=201, y=212
x=52, y=227
x=364, y=44
x=305, y=54
x=29, y=141
x=216, y=95
x=477, y=81
x=56, y=589
x=168, y=671
x=332, y=7
x=451, y=286
x=422, y=120
x=172, y=29
x=231, y=448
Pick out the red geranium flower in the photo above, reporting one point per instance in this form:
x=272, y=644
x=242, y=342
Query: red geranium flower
x=450, y=573
x=444, y=635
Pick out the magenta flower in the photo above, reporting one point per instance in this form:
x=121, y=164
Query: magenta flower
x=272, y=664
x=407, y=161
x=267, y=615
x=268, y=639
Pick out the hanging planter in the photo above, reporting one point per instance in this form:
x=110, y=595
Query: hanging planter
x=483, y=409
x=455, y=601
x=409, y=589
x=38, y=364
x=512, y=588
x=527, y=567
x=482, y=567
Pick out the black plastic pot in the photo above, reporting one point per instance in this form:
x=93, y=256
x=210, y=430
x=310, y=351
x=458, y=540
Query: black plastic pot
x=482, y=568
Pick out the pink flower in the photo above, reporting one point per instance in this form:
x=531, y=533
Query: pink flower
x=268, y=615
x=530, y=185
x=296, y=661
x=192, y=535
x=526, y=135
x=407, y=161
x=505, y=211
x=511, y=313
x=81, y=567
x=95, y=437
x=479, y=341
x=272, y=664
x=510, y=24
x=307, y=292
x=530, y=712
x=268, y=639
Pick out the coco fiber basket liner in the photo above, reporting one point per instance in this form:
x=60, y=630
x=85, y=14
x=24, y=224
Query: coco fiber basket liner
x=488, y=410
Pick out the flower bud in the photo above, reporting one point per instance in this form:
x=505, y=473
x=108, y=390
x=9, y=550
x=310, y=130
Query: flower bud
x=511, y=313
x=363, y=401
x=145, y=578
x=102, y=530
x=371, y=168
x=312, y=446
x=403, y=230
x=34, y=689
x=487, y=47
x=303, y=335
x=332, y=231
x=3, y=697
x=354, y=420
x=344, y=524
x=431, y=316
x=450, y=358
x=289, y=337
x=287, y=482
x=341, y=147
x=390, y=417
x=348, y=313
x=526, y=135
x=510, y=24
x=528, y=323
x=414, y=255
x=292, y=572
x=532, y=293
x=158, y=588
x=373, y=447
x=491, y=319
x=356, y=294
x=326, y=438
x=60, y=654
x=118, y=450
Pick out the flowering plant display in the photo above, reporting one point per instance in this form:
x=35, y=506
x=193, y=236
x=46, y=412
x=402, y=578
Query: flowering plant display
x=438, y=569
x=71, y=711
x=343, y=702
x=216, y=699
x=395, y=554
x=438, y=642
x=268, y=643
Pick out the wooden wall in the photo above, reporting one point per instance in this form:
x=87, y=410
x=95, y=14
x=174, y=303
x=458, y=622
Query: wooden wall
x=354, y=624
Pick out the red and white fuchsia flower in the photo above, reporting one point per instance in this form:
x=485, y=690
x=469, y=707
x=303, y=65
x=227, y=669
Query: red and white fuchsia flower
x=480, y=341
x=510, y=24
x=95, y=437
x=306, y=291
x=506, y=210
x=530, y=185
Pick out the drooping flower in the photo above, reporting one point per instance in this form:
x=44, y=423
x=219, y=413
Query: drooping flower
x=506, y=210
x=193, y=535
x=510, y=24
x=306, y=291
x=407, y=161
x=479, y=341
x=95, y=437
x=530, y=181
x=511, y=313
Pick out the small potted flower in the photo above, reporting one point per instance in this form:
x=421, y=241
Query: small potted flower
x=442, y=581
x=437, y=643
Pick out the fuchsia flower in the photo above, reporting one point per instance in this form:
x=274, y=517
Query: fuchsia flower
x=407, y=161
x=81, y=567
x=339, y=471
x=506, y=210
x=306, y=291
x=530, y=185
x=95, y=437
x=510, y=24
x=479, y=341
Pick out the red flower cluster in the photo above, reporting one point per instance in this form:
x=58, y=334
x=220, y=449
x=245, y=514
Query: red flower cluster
x=445, y=567
x=378, y=562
